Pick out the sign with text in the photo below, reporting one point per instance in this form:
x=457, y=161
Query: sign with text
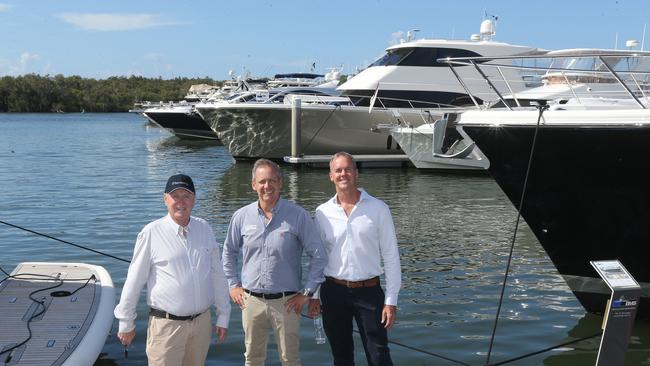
x=620, y=312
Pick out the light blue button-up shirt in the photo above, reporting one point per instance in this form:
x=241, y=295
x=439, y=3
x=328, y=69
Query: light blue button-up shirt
x=271, y=252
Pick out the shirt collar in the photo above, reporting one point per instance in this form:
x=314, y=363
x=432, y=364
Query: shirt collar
x=278, y=206
x=176, y=227
x=364, y=195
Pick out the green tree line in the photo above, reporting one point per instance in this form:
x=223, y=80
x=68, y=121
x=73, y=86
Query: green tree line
x=36, y=93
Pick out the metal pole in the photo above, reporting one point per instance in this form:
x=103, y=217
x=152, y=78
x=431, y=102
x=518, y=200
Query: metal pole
x=451, y=67
x=490, y=84
x=295, y=127
x=615, y=75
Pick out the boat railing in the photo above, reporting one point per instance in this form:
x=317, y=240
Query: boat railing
x=385, y=102
x=613, y=75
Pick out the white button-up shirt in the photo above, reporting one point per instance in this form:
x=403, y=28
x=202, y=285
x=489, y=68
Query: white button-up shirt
x=357, y=244
x=182, y=270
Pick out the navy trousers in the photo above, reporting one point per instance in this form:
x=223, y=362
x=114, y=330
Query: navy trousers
x=340, y=305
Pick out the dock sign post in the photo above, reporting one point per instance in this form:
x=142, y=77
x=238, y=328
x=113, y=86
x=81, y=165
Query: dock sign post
x=620, y=312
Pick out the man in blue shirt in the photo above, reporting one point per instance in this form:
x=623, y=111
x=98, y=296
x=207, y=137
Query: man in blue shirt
x=271, y=235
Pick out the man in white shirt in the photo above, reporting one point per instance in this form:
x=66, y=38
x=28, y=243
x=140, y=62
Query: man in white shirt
x=359, y=235
x=178, y=258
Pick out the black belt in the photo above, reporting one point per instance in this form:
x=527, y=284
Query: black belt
x=270, y=296
x=162, y=314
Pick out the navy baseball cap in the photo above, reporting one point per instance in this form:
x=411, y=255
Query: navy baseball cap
x=179, y=181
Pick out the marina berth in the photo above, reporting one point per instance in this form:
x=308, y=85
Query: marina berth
x=402, y=84
x=573, y=167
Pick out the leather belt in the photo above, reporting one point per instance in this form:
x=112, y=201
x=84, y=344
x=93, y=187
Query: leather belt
x=372, y=282
x=163, y=314
x=270, y=296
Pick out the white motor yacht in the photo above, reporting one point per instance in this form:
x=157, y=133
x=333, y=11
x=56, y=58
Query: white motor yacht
x=407, y=77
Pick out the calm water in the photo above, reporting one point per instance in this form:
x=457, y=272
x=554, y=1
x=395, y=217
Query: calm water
x=96, y=179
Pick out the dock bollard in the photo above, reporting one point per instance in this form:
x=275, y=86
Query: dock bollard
x=295, y=127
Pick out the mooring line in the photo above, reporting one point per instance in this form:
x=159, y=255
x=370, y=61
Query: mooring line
x=65, y=242
x=541, y=108
x=546, y=349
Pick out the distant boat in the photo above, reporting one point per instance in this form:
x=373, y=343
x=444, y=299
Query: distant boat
x=408, y=76
x=67, y=306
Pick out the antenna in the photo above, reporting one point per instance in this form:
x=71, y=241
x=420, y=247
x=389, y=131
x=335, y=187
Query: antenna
x=410, y=35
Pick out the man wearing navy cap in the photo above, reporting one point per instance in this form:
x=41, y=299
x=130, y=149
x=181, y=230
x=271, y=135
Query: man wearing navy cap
x=178, y=258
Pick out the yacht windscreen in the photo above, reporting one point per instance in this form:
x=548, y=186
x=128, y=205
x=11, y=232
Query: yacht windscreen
x=421, y=56
x=427, y=56
x=392, y=57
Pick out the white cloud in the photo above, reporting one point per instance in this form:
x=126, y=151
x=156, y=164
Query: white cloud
x=106, y=22
x=5, y=7
x=23, y=65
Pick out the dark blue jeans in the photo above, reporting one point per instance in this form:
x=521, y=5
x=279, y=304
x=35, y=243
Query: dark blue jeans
x=340, y=305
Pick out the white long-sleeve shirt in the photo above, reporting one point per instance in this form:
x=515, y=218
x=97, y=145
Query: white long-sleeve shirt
x=358, y=244
x=182, y=271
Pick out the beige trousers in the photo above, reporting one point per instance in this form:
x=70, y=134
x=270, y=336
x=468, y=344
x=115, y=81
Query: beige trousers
x=179, y=342
x=257, y=317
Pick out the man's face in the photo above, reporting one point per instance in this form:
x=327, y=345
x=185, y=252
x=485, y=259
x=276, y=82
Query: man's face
x=343, y=173
x=179, y=205
x=267, y=184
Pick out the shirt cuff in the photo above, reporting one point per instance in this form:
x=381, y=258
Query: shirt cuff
x=391, y=299
x=126, y=326
x=222, y=321
x=234, y=283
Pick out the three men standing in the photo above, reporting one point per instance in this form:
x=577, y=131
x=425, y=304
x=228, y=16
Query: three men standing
x=271, y=235
x=359, y=235
x=178, y=258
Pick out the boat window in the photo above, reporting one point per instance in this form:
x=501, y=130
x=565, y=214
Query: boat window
x=392, y=57
x=427, y=56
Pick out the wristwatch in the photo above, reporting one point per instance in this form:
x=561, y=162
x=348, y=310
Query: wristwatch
x=307, y=292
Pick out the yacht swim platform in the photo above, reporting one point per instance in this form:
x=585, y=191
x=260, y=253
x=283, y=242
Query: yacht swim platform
x=69, y=327
x=371, y=160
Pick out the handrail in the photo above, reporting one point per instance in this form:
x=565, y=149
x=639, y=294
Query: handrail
x=490, y=83
x=604, y=69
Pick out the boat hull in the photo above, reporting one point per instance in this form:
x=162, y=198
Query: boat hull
x=184, y=125
x=251, y=131
x=587, y=197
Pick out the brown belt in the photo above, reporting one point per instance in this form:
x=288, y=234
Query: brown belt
x=372, y=282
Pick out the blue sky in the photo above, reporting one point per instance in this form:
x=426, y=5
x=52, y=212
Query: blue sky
x=152, y=38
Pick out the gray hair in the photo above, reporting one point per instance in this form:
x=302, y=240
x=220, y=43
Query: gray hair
x=266, y=162
x=345, y=155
